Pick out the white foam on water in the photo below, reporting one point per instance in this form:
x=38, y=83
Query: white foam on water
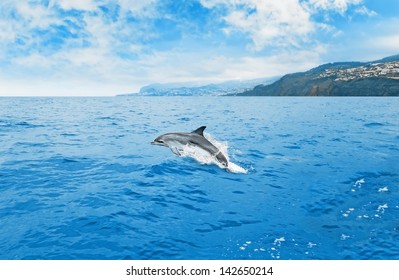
x=311, y=244
x=205, y=158
x=278, y=241
x=344, y=236
x=383, y=189
x=359, y=183
x=234, y=168
x=381, y=208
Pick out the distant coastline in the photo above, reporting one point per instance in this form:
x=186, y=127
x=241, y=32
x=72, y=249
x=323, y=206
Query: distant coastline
x=375, y=78
x=200, y=89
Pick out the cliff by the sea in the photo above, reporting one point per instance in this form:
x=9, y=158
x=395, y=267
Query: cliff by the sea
x=377, y=78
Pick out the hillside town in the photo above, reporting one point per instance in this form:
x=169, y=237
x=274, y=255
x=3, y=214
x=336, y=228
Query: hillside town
x=380, y=69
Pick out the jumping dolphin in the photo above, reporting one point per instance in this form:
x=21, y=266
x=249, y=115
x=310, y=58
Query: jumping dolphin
x=176, y=142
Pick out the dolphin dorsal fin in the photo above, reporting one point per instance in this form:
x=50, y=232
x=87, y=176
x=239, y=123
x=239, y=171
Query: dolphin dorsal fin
x=200, y=130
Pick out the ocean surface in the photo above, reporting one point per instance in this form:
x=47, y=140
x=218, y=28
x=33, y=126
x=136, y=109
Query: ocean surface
x=315, y=178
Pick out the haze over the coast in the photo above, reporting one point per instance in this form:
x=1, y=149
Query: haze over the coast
x=101, y=47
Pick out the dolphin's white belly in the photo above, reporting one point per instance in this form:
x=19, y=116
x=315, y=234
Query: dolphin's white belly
x=185, y=149
x=176, y=147
x=193, y=151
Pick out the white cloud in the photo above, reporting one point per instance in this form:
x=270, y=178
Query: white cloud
x=33, y=61
x=340, y=6
x=142, y=8
x=363, y=10
x=35, y=16
x=386, y=43
x=74, y=64
x=284, y=23
x=17, y=18
x=70, y=87
x=267, y=22
x=172, y=66
x=84, y=5
x=249, y=67
x=82, y=69
x=7, y=32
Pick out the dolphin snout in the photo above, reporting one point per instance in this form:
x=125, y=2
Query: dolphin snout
x=158, y=142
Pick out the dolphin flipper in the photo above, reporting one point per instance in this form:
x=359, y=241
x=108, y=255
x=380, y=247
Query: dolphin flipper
x=176, y=151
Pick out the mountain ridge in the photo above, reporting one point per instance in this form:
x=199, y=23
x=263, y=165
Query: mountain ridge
x=200, y=88
x=375, y=78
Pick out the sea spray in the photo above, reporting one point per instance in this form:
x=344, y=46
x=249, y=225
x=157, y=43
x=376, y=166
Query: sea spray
x=204, y=157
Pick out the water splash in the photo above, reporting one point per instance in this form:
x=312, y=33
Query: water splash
x=204, y=157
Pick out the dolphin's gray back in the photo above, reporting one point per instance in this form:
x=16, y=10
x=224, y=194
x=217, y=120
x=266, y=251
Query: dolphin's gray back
x=203, y=143
x=193, y=139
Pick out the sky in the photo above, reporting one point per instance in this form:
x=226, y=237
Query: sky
x=109, y=47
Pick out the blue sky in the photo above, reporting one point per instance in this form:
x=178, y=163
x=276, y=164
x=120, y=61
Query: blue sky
x=104, y=47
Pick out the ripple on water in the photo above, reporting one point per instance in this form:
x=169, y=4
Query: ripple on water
x=170, y=167
x=79, y=180
x=374, y=125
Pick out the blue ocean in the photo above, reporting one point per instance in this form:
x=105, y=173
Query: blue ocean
x=315, y=178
